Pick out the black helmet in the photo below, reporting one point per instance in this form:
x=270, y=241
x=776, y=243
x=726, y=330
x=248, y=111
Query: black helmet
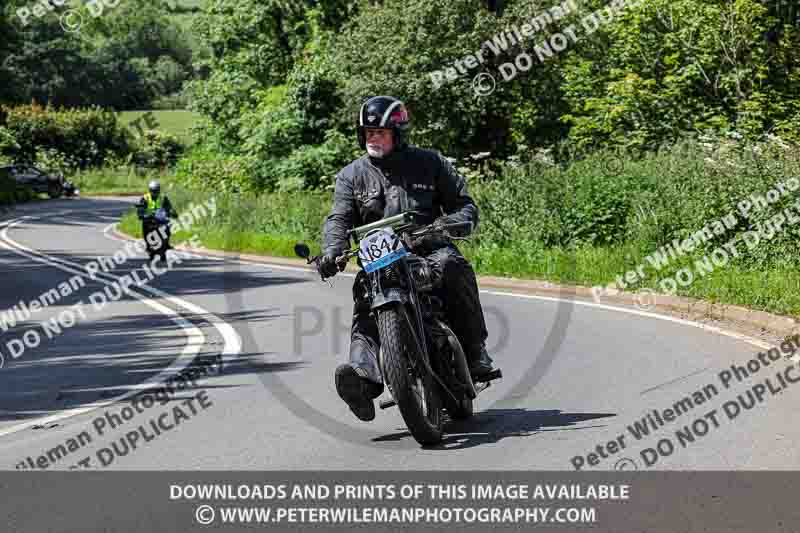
x=383, y=112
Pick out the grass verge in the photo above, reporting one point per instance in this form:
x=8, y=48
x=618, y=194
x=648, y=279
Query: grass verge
x=123, y=181
x=272, y=224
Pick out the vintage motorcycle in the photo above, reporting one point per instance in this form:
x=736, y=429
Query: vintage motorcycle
x=421, y=360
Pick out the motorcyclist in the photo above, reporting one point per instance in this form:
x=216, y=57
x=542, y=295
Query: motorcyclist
x=147, y=208
x=391, y=178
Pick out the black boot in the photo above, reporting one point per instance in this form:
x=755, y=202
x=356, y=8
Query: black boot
x=480, y=364
x=357, y=391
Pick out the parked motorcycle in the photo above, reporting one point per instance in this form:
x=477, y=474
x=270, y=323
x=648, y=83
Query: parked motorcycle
x=422, y=362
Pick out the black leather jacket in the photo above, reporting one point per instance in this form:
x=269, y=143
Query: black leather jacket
x=409, y=179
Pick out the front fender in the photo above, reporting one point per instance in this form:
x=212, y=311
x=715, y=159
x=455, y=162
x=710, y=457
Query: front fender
x=389, y=296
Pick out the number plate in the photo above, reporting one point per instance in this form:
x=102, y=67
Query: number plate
x=380, y=249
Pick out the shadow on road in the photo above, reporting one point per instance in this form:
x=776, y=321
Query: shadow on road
x=116, y=346
x=190, y=276
x=97, y=361
x=121, y=344
x=493, y=425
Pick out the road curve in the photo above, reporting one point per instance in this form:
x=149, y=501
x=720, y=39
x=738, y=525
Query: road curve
x=578, y=377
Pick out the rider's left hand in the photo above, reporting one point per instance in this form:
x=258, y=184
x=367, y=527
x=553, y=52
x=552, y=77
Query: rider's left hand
x=430, y=242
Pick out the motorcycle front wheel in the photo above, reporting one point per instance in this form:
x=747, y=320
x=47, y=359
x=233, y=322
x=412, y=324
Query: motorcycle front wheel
x=413, y=389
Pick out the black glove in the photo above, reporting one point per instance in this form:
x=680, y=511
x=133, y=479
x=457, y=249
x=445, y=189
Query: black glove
x=432, y=241
x=327, y=266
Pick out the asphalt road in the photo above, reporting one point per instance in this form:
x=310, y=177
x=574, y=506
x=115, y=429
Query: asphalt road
x=577, y=374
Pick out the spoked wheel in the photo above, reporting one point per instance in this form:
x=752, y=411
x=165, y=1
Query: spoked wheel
x=415, y=392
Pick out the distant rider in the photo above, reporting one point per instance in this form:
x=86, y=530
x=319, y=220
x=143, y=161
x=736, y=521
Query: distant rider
x=148, y=206
x=391, y=178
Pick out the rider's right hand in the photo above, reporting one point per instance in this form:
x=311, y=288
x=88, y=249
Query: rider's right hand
x=327, y=266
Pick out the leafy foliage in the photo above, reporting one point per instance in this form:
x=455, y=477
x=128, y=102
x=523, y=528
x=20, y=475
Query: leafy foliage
x=86, y=136
x=12, y=193
x=125, y=59
x=157, y=149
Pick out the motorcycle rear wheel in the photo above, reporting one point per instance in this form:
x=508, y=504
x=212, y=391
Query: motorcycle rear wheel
x=415, y=392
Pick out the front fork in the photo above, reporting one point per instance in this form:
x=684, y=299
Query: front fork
x=408, y=300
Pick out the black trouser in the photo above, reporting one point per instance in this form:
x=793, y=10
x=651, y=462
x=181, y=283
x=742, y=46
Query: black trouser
x=151, y=226
x=459, y=292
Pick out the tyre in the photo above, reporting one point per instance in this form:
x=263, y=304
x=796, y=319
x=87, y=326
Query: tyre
x=462, y=408
x=416, y=393
x=55, y=190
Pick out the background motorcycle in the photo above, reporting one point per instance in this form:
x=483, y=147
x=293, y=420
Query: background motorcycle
x=153, y=223
x=421, y=360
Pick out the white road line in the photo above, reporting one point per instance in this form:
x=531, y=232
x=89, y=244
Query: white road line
x=713, y=329
x=233, y=343
x=195, y=340
x=231, y=349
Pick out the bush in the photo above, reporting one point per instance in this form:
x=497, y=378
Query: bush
x=666, y=67
x=205, y=170
x=311, y=167
x=51, y=160
x=157, y=149
x=314, y=100
x=612, y=199
x=8, y=145
x=179, y=100
x=271, y=129
x=86, y=136
x=12, y=193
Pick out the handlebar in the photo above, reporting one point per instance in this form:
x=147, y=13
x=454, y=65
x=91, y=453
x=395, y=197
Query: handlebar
x=402, y=231
x=432, y=228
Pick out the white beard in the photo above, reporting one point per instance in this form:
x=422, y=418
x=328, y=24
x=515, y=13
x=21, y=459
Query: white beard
x=375, y=151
